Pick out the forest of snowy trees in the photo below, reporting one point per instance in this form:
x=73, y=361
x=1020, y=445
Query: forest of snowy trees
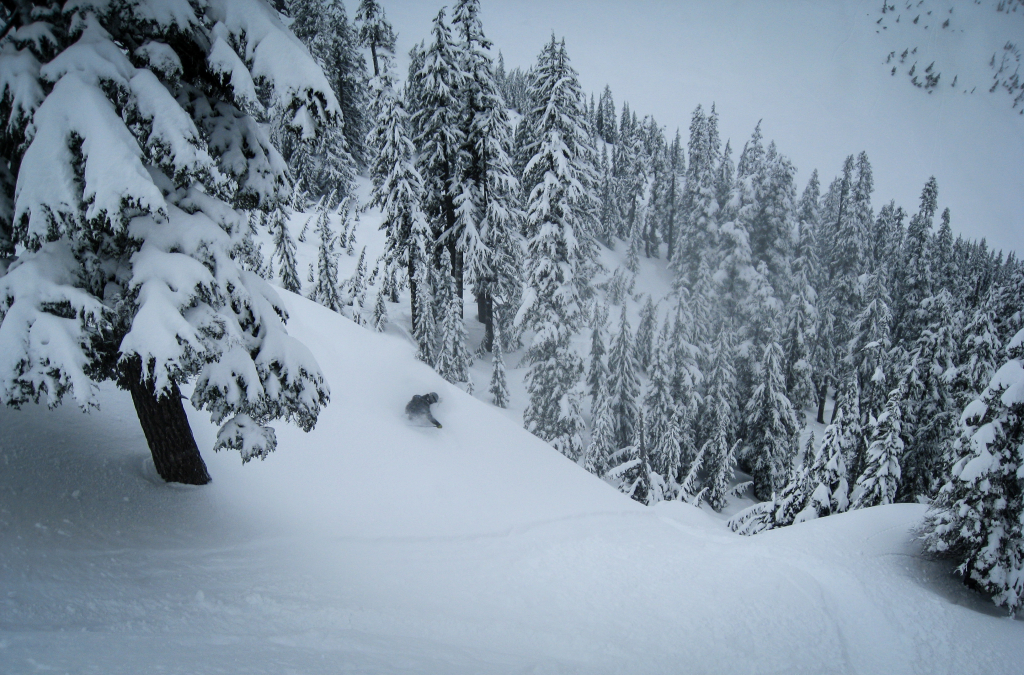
x=146, y=145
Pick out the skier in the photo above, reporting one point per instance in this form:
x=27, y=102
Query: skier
x=419, y=408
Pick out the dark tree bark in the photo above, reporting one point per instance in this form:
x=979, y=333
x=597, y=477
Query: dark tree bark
x=168, y=433
x=822, y=395
x=413, y=287
x=485, y=315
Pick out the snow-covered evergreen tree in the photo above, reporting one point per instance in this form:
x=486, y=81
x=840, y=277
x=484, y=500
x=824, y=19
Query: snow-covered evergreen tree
x=914, y=277
x=770, y=425
x=397, y=192
x=663, y=417
x=487, y=206
x=881, y=476
x=646, y=333
x=324, y=27
x=499, y=381
x=700, y=203
x=597, y=373
x=602, y=439
x=719, y=458
x=439, y=137
x=379, y=320
x=284, y=252
x=801, y=324
x=376, y=33
x=353, y=292
x=453, y=358
x=557, y=257
x=979, y=352
x=814, y=490
x=929, y=408
x=868, y=352
x=637, y=478
x=977, y=518
x=325, y=290
x=623, y=383
x=125, y=220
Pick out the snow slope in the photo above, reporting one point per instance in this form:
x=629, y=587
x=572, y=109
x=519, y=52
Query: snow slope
x=375, y=546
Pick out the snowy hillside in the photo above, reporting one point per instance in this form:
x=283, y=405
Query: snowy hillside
x=374, y=546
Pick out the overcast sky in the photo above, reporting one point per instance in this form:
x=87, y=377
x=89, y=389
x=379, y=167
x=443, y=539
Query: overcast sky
x=814, y=72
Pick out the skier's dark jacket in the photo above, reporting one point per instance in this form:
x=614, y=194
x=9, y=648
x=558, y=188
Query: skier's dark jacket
x=419, y=408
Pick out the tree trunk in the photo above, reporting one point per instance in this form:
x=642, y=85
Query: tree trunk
x=163, y=420
x=413, y=304
x=485, y=315
x=822, y=395
x=373, y=52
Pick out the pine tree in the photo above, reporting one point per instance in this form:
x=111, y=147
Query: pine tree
x=440, y=138
x=130, y=210
x=597, y=373
x=324, y=156
x=979, y=352
x=718, y=416
x=929, y=408
x=913, y=282
x=637, y=478
x=800, y=328
x=353, y=295
x=453, y=358
x=602, y=440
x=380, y=312
x=771, y=425
x=868, y=352
x=623, y=383
x=645, y=334
x=325, y=290
x=704, y=310
x=847, y=402
x=684, y=355
x=675, y=180
x=843, y=259
x=397, y=192
x=557, y=253
x=977, y=518
x=375, y=32
x=877, y=485
x=885, y=241
x=487, y=211
x=828, y=477
x=663, y=417
x=700, y=204
x=813, y=490
x=499, y=383
x=284, y=252
x=720, y=458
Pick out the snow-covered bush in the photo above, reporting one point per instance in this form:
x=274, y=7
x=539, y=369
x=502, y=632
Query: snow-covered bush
x=140, y=140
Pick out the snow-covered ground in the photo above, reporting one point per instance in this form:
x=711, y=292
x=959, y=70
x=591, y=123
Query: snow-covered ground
x=374, y=546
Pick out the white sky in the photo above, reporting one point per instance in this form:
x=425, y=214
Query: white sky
x=814, y=72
